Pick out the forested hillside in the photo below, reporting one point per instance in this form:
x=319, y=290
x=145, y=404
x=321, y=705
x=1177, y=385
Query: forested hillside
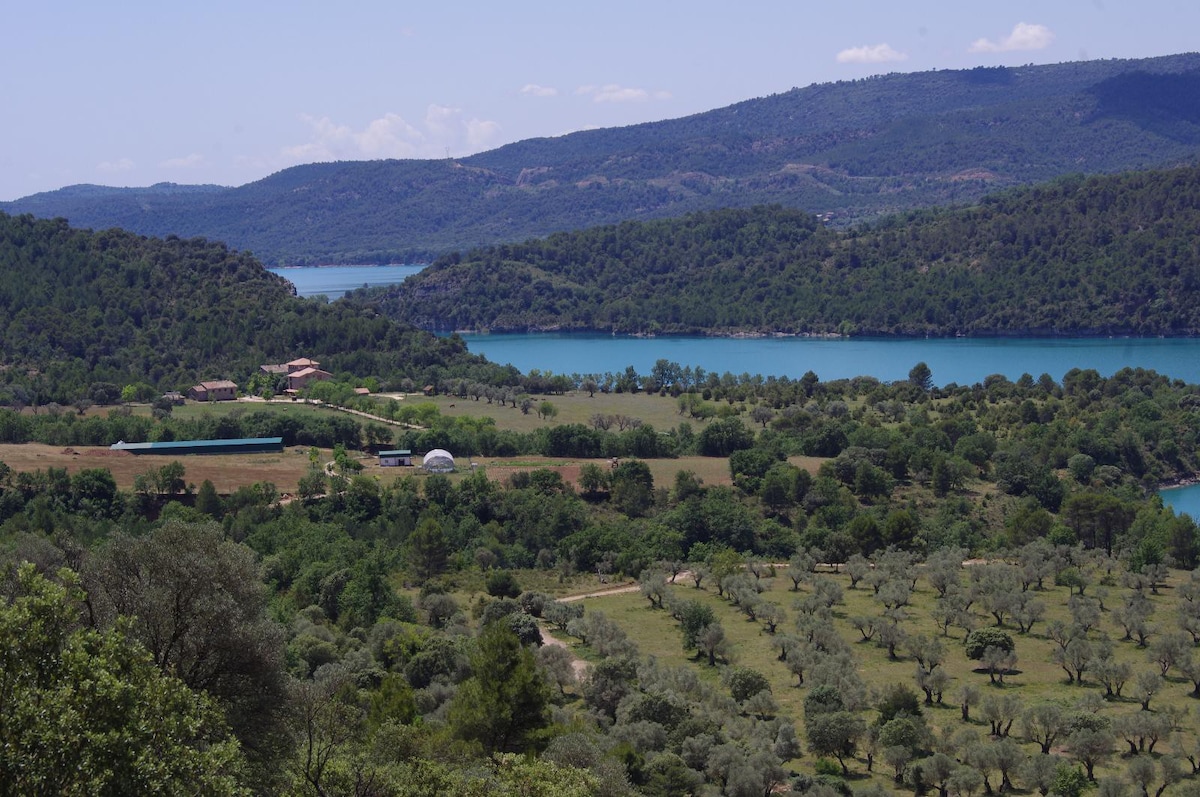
x=855, y=150
x=78, y=307
x=1099, y=255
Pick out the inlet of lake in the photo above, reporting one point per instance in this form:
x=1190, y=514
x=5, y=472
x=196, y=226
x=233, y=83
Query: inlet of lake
x=333, y=281
x=964, y=361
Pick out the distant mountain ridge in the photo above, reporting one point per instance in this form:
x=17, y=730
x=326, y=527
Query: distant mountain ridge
x=852, y=150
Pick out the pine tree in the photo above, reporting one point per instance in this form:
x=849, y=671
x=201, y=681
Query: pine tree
x=506, y=702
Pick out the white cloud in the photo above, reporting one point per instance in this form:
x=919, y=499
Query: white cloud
x=186, y=162
x=391, y=136
x=481, y=134
x=441, y=119
x=1023, y=37
x=534, y=90
x=871, y=54
x=121, y=165
x=388, y=137
x=614, y=93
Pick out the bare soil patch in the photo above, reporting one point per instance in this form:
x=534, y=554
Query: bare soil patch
x=501, y=470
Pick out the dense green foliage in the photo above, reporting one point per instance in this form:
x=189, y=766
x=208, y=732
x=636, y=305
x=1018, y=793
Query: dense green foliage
x=854, y=149
x=1100, y=255
x=79, y=308
x=88, y=712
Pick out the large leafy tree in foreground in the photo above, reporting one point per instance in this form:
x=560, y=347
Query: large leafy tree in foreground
x=201, y=613
x=85, y=712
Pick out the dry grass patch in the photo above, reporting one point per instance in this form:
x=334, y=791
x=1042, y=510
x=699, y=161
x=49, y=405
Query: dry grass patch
x=227, y=472
x=661, y=412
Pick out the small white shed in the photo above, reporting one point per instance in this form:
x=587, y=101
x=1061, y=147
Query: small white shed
x=393, y=459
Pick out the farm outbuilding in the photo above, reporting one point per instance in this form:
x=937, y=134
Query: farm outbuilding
x=244, y=445
x=220, y=390
x=393, y=459
x=438, y=461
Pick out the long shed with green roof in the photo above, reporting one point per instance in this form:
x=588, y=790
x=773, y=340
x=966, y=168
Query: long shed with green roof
x=242, y=445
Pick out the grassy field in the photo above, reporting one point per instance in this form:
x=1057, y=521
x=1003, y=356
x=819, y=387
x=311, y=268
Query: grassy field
x=230, y=472
x=227, y=472
x=1036, y=677
x=220, y=408
x=661, y=412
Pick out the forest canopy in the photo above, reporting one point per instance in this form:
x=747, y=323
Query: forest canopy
x=79, y=307
x=1079, y=256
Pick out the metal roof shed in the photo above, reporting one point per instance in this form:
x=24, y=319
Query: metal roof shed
x=392, y=459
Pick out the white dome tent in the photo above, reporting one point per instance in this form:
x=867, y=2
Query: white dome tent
x=438, y=461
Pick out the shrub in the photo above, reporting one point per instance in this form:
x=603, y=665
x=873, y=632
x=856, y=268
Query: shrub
x=502, y=584
x=898, y=699
x=981, y=639
x=745, y=682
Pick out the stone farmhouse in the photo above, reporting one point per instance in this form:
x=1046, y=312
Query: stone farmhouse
x=221, y=390
x=300, y=373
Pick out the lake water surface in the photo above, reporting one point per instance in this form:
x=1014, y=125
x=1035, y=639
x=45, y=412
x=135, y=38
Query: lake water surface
x=964, y=361
x=334, y=281
x=1184, y=500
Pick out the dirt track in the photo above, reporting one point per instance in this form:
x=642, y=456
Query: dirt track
x=548, y=638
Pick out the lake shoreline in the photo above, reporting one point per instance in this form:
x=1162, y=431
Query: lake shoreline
x=346, y=265
x=749, y=334
x=1176, y=483
x=831, y=354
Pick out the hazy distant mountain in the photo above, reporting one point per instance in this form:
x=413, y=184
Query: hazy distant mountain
x=853, y=149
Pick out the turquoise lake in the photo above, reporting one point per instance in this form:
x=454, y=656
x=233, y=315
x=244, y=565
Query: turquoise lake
x=964, y=361
x=1184, y=500
x=959, y=360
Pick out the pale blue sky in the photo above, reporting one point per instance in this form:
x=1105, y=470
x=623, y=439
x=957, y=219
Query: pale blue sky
x=138, y=92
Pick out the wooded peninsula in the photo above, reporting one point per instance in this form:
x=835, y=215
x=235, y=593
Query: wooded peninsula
x=1079, y=256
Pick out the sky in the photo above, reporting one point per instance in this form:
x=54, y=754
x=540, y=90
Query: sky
x=138, y=92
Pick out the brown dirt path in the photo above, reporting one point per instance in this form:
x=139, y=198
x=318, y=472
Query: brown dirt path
x=581, y=666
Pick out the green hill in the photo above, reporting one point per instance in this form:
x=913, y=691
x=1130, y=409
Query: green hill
x=78, y=307
x=1096, y=255
x=854, y=150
